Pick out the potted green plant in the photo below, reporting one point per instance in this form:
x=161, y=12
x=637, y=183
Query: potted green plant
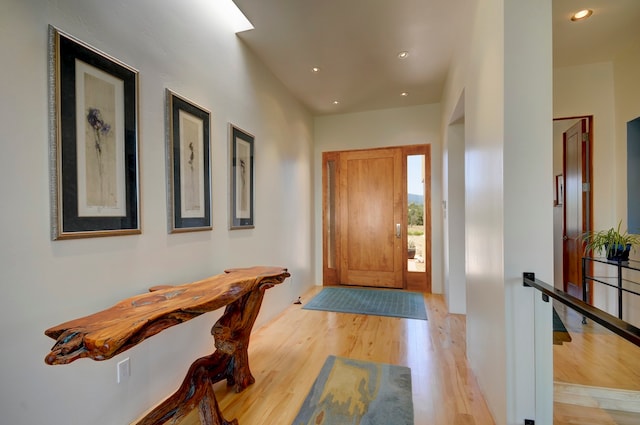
x=411, y=250
x=615, y=244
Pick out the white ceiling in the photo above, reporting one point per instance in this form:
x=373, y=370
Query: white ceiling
x=355, y=44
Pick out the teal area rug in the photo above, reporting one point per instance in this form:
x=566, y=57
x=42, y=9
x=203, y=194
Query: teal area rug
x=360, y=393
x=560, y=333
x=377, y=302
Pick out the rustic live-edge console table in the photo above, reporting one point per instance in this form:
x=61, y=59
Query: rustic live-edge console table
x=107, y=333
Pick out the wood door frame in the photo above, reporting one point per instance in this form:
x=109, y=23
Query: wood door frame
x=417, y=281
x=587, y=200
x=330, y=275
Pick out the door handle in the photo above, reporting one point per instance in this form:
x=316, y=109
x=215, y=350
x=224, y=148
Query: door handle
x=398, y=230
x=565, y=238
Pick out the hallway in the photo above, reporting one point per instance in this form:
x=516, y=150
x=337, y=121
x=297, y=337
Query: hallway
x=287, y=353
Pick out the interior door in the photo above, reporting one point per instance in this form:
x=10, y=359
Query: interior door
x=576, y=205
x=371, y=223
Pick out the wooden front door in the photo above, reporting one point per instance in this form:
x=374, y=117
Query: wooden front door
x=370, y=189
x=576, y=204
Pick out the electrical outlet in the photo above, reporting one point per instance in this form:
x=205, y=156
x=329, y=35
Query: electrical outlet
x=123, y=370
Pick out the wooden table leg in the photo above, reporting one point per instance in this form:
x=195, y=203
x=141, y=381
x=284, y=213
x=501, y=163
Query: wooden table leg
x=231, y=334
x=196, y=391
x=230, y=361
x=210, y=412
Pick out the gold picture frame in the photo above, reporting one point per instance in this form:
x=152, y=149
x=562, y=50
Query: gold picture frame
x=94, y=167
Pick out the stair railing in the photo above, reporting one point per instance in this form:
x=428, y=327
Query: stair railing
x=614, y=324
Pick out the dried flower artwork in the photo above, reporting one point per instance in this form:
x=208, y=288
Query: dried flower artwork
x=101, y=130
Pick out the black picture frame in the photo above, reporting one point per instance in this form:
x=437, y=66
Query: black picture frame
x=94, y=168
x=188, y=165
x=242, y=179
x=559, y=190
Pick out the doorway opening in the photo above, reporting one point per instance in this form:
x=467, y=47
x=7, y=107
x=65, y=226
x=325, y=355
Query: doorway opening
x=377, y=217
x=573, y=200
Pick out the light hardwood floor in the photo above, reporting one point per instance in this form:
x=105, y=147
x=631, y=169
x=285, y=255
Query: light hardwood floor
x=595, y=357
x=286, y=355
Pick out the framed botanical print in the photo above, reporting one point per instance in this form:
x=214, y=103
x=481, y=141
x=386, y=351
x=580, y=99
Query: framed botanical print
x=188, y=165
x=93, y=141
x=242, y=182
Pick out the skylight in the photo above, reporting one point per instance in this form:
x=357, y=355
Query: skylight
x=234, y=15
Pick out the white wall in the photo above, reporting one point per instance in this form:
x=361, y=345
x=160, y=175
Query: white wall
x=588, y=90
x=626, y=69
x=389, y=127
x=609, y=91
x=454, y=219
x=454, y=126
x=508, y=222
x=188, y=47
x=528, y=156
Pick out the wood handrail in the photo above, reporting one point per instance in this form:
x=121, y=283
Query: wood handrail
x=609, y=321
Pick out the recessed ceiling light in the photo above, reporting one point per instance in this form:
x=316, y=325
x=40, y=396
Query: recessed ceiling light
x=315, y=69
x=335, y=102
x=403, y=55
x=583, y=14
x=404, y=94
